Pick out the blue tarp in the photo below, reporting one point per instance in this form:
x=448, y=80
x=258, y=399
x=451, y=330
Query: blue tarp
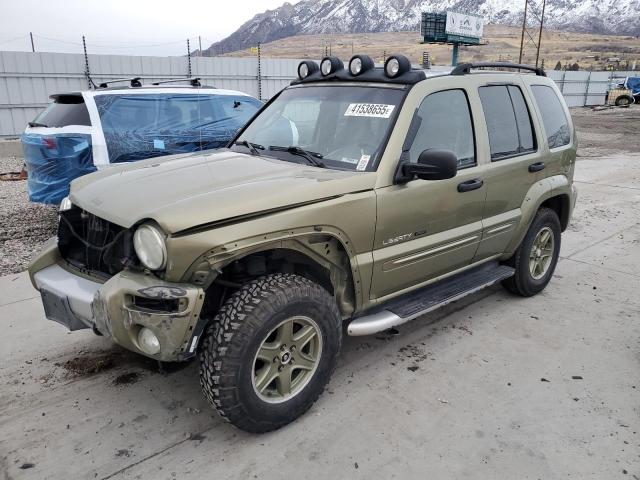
x=53, y=161
x=142, y=126
x=633, y=84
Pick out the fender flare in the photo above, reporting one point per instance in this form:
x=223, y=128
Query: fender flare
x=537, y=194
x=316, y=242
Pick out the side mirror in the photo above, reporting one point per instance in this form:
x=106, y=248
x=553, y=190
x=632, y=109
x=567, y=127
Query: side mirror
x=432, y=165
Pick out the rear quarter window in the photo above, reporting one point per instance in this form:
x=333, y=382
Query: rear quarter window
x=556, y=124
x=63, y=112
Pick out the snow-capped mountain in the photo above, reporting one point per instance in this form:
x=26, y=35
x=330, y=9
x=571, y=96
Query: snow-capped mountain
x=352, y=16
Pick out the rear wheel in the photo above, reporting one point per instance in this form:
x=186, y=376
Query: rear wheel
x=270, y=351
x=536, y=258
x=623, y=101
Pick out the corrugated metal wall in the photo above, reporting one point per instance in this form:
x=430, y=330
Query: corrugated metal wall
x=27, y=79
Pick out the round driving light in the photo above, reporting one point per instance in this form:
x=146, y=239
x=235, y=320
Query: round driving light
x=396, y=65
x=325, y=66
x=355, y=66
x=392, y=67
x=306, y=68
x=330, y=65
x=360, y=64
x=150, y=247
x=148, y=342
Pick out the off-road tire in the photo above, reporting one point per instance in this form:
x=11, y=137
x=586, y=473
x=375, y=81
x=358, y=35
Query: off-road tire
x=522, y=282
x=232, y=339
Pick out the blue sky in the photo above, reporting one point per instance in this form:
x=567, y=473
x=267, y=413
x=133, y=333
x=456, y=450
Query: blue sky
x=127, y=27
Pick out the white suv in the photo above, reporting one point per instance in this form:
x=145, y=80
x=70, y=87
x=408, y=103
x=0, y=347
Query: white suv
x=82, y=131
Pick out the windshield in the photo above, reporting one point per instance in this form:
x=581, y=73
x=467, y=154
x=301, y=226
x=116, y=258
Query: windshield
x=343, y=126
x=138, y=126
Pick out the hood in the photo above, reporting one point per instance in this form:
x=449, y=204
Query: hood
x=185, y=191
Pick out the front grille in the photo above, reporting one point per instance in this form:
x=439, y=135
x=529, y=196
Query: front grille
x=90, y=243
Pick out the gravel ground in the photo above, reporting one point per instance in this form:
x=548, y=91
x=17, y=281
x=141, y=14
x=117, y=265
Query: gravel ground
x=24, y=226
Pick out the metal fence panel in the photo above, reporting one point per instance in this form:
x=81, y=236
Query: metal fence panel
x=27, y=79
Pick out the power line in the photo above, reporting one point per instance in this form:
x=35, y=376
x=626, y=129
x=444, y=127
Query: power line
x=13, y=39
x=58, y=40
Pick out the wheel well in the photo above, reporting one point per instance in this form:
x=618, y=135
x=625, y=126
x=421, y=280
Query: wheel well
x=561, y=205
x=334, y=274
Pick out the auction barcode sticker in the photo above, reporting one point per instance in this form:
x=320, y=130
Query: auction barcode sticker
x=377, y=110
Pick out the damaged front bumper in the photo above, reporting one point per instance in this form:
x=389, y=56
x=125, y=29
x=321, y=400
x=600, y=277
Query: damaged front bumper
x=123, y=305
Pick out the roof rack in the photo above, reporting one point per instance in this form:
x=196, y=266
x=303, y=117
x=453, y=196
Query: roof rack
x=134, y=82
x=465, y=68
x=194, y=82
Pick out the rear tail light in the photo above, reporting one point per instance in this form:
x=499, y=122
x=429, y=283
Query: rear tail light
x=49, y=143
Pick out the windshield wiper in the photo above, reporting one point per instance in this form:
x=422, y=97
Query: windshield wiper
x=253, y=147
x=37, y=124
x=311, y=157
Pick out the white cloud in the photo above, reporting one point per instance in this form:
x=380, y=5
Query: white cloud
x=135, y=27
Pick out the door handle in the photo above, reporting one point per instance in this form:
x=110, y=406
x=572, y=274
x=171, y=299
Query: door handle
x=536, y=167
x=470, y=185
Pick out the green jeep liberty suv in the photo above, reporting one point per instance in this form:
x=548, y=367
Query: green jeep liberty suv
x=364, y=196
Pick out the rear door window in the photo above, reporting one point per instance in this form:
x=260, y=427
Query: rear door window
x=64, y=111
x=508, y=121
x=446, y=124
x=554, y=119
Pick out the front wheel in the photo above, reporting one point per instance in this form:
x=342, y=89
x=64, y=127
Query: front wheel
x=270, y=351
x=536, y=258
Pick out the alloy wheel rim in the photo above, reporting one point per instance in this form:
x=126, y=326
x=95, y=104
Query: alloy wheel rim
x=287, y=359
x=541, y=253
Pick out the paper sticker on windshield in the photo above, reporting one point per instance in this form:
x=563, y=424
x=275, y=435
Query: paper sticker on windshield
x=376, y=110
x=362, y=164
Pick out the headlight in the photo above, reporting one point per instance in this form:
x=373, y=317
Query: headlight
x=149, y=244
x=65, y=204
x=148, y=341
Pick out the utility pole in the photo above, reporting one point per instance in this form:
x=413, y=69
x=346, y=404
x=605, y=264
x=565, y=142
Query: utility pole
x=189, y=59
x=33, y=48
x=259, y=72
x=535, y=8
x=87, y=72
x=200, y=45
x=524, y=26
x=540, y=32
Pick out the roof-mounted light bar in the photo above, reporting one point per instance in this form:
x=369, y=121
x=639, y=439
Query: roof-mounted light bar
x=361, y=68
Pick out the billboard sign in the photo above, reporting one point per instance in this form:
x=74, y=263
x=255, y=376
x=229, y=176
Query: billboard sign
x=464, y=24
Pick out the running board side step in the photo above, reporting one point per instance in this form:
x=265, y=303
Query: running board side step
x=429, y=298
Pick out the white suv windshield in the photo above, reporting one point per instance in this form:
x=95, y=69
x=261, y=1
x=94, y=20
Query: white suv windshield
x=342, y=126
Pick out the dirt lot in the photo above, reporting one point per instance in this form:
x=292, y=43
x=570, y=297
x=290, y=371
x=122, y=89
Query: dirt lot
x=492, y=387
